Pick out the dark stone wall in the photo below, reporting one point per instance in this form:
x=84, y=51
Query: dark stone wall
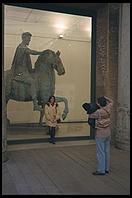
x=101, y=51
x=113, y=62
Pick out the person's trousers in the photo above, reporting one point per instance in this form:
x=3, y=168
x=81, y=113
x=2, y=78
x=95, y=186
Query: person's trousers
x=52, y=133
x=103, y=154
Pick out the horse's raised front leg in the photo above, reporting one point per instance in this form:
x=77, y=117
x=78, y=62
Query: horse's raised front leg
x=41, y=116
x=36, y=106
x=66, y=110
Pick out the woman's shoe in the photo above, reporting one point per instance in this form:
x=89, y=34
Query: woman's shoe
x=107, y=172
x=50, y=141
x=98, y=173
x=53, y=141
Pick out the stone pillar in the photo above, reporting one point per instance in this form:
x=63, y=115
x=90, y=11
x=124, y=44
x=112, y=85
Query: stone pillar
x=123, y=105
x=4, y=135
x=4, y=112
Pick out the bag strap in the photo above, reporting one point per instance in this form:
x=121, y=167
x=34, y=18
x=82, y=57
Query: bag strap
x=106, y=111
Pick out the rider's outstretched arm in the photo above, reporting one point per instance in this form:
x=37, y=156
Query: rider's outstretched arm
x=33, y=52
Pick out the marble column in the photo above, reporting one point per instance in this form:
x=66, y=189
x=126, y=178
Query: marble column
x=123, y=105
x=4, y=112
x=4, y=135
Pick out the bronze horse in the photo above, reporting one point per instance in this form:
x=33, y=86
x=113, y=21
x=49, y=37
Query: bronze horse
x=44, y=77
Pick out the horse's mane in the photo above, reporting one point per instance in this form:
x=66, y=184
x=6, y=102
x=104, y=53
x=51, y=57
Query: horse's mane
x=41, y=59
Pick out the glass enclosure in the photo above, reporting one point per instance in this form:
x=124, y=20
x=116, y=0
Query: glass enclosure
x=71, y=35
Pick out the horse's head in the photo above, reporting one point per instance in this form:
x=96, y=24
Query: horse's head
x=51, y=59
x=58, y=65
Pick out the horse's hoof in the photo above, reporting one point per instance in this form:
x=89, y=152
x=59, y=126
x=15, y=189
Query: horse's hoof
x=63, y=116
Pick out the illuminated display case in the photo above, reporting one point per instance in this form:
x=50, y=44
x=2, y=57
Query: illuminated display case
x=73, y=36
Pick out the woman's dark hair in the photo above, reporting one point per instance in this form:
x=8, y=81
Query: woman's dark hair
x=49, y=100
x=102, y=101
x=51, y=97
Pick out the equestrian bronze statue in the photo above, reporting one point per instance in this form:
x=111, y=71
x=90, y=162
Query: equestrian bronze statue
x=18, y=87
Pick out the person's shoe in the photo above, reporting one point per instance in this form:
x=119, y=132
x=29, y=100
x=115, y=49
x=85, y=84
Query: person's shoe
x=53, y=141
x=98, y=173
x=50, y=141
x=107, y=172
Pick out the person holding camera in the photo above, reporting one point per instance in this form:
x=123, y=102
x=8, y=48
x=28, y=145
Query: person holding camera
x=52, y=117
x=102, y=134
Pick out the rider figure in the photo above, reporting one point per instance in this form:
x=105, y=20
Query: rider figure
x=22, y=66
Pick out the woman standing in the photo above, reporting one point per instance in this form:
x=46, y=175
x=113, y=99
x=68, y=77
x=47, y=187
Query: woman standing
x=52, y=114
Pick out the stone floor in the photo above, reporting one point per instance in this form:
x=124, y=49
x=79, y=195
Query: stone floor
x=63, y=169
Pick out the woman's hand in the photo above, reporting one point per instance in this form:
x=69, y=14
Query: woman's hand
x=53, y=121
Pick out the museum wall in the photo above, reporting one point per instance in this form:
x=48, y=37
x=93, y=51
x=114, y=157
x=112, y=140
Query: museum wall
x=74, y=85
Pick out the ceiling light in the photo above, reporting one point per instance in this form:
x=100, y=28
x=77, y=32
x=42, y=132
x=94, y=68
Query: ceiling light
x=61, y=36
x=60, y=26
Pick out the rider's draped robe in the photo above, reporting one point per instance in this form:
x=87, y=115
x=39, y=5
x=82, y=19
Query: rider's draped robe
x=22, y=62
x=22, y=67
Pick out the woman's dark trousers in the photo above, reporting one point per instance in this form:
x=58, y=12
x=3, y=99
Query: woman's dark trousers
x=52, y=134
